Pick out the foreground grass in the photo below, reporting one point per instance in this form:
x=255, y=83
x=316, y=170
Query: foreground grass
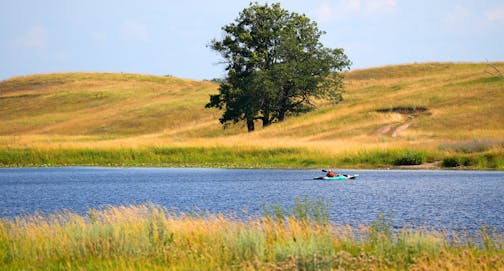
x=149, y=237
x=248, y=157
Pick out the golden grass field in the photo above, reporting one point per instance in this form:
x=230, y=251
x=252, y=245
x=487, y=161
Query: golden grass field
x=452, y=107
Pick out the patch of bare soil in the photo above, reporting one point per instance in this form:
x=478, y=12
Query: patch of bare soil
x=433, y=165
x=392, y=130
x=400, y=129
x=383, y=130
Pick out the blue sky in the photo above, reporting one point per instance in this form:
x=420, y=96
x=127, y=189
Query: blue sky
x=170, y=37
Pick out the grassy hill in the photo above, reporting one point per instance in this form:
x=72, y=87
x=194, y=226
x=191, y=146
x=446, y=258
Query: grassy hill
x=422, y=113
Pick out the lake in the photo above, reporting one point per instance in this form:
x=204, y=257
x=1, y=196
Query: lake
x=452, y=200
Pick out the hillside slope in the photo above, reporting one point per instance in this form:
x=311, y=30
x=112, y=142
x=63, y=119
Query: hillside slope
x=417, y=105
x=100, y=104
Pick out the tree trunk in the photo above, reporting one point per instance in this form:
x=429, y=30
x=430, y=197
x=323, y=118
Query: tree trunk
x=283, y=105
x=250, y=125
x=266, y=121
x=281, y=115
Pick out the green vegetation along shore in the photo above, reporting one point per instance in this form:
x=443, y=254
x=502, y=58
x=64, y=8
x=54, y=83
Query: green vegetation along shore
x=227, y=157
x=149, y=237
x=426, y=115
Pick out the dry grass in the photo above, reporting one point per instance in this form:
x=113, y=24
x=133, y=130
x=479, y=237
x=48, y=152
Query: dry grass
x=100, y=104
x=92, y=110
x=148, y=237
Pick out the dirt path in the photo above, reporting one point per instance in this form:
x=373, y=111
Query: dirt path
x=400, y=129
x=393, y=130
x=383, y=130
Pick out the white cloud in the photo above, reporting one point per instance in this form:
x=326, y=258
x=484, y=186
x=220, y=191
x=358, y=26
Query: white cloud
x=347, y=6
x=134, y=31
x=36, y=37
x=495, y=15
x=325, y=12
x=343, y=8
x=380, y=6
x=464, y=20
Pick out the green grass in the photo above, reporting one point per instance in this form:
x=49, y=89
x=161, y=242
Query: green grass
x=243, y=157
x=149, y=237
x=488, y=160
x=162, y=156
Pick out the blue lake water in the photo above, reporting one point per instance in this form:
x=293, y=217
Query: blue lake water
x=440, y=199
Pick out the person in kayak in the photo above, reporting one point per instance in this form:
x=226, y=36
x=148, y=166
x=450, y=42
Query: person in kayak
x=331, y=173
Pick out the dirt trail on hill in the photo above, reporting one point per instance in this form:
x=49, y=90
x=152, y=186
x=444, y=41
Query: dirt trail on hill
x=393, y=130
x=408, y=115
x=400, y=129
x=383, y=130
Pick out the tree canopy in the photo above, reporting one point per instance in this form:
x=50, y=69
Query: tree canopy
x=276, y=65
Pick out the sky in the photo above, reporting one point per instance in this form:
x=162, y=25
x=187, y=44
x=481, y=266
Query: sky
x=171, y=37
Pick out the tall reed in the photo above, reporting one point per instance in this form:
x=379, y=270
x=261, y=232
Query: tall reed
x=150, y=237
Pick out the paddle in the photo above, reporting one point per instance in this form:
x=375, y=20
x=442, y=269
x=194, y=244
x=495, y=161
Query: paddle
x=320, y=178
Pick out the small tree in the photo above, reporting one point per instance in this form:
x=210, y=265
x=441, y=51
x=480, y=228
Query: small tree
x=276, y=65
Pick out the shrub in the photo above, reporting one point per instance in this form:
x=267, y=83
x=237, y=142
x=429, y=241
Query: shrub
x=410, y=158
x=453, y=161
x=450, y=162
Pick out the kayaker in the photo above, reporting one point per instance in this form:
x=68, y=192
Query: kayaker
x=331, y=173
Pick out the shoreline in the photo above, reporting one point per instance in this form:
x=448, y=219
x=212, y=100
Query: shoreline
x=196, y=166
x=250, y=158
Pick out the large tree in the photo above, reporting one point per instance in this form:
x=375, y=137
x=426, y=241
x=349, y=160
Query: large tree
x=276, y=65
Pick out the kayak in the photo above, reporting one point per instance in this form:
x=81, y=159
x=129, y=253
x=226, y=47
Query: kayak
x=341, y=177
